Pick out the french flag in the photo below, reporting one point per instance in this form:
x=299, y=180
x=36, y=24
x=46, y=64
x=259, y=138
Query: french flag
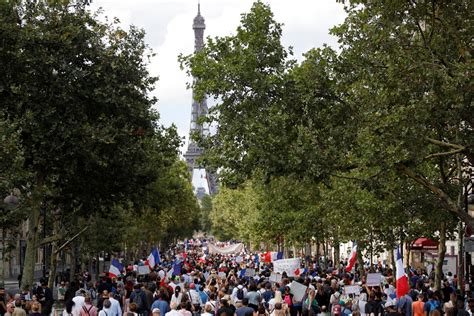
x=153, y=259
x=115, y=269
x=272, y=256
x=277, y=256
x=352, y=258
x=402, y=281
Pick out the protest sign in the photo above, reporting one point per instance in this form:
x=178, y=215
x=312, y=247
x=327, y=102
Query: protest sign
x=143, y=269
x=222, y=275
x=298, y=290
x=232, y=249
x=249, y=272
x=275, y=277
x=352, y=289
x=373, y=279
x=239, y=259
x=287, y=265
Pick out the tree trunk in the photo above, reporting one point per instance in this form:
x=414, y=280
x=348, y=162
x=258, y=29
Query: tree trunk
x=318, y=250
x=336, y=253
x=28, y=275
x=54, y=255
x=406, y=254
x=72, y=270
x=441, y=254
x=360, y=261
x=2, y=262
x=392, y=261
x=97, y=271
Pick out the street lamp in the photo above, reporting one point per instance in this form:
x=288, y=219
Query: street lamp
x=11, y=201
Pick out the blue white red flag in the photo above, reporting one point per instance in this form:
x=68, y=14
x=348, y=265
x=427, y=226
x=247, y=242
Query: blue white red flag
x=153, y=259
x=116, y=268
x=402, y=279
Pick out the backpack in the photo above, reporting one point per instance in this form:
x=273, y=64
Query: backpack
x=87, y=310
x=240, y=294
x=138, y=299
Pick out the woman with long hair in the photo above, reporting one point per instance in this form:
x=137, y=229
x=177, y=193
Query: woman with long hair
x=177, y=296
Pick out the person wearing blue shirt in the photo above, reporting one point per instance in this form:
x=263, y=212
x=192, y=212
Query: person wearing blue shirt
x=161, y=304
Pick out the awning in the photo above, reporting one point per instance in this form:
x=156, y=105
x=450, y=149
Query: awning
x=424, y=244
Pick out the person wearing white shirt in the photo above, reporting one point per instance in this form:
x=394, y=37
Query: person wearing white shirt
x=361, y=303
x=105, y=311
x=115, y=308
x=79, y=301
x=195, y=297
x=173, y=311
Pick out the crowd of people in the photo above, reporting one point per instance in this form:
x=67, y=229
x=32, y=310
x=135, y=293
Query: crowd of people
x=214, y=285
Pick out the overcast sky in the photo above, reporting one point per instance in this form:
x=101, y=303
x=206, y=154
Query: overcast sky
x=168, y=26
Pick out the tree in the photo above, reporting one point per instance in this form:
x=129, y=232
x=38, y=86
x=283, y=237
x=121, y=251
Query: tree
x=77, y=91
x=206, y=209
x=409, y=81
x=350, y=114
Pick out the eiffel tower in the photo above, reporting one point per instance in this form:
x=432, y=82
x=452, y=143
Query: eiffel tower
x=198, y=109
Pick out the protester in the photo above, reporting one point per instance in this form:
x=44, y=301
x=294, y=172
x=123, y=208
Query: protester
x=173, y=311
x=225, y=309
x=241, y=311
x=115, y=308
x=177, y=296
x=88, y=309
x=139, y=298
x=105, y=311
x=69, y=307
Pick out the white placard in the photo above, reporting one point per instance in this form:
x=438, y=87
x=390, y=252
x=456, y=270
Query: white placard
x=373, y=279
x=287, y=265
x=352, y=289
x=143, y=269
x=249, y=272
x=275, y=277
x=222, y=275
x=239, y=259
x=232, y=249
x=298, y=290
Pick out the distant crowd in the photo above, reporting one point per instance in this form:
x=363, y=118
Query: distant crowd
x=214, y=285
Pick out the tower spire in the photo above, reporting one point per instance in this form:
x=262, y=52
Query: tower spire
x=199, y=26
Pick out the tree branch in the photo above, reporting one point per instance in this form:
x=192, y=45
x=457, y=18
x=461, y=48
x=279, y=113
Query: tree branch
x=445, y=153
x=50, y=239
x=444, y=144
x=444, y=198
x=71, y=240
